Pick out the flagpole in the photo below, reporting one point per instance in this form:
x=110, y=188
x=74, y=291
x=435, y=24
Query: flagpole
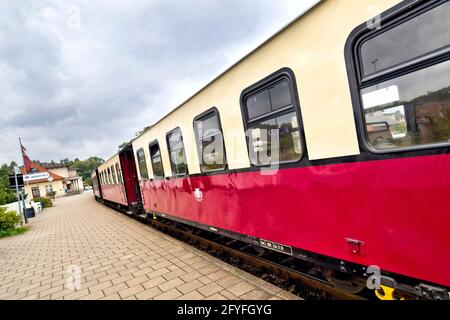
x=24, y=211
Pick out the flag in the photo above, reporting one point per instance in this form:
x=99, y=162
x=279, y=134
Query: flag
x=26, y=159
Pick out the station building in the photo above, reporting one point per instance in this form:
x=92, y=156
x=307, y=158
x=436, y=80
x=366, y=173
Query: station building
x=57, y=178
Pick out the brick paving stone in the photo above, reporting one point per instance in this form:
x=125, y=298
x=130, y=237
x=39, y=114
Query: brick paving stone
x=118, y=258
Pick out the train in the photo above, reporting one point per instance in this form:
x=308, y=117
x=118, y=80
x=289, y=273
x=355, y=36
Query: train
x=328, y=143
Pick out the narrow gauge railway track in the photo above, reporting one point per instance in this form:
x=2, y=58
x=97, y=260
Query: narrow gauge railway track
x=270, y=266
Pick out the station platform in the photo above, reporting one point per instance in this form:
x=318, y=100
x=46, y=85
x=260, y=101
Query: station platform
x=79, y=249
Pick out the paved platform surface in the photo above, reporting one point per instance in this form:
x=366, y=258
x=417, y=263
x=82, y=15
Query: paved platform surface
x=80, y=249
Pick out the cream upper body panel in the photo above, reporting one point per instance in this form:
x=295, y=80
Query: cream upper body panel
x=313, y=48
x=109, y=163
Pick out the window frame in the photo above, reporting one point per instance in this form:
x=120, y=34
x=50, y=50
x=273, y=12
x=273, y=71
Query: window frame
x=139, y=167
x=150, y=145
x=169, y=152
x=400, y=13
x=264, y=84
x=199, y=154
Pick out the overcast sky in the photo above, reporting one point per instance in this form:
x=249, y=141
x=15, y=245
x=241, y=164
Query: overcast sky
x=79, y=77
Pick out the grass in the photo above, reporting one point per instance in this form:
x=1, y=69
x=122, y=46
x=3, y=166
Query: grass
x=13, y=232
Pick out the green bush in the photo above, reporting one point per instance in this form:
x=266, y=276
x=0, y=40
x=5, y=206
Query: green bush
x=9, y=219
x=45, y=202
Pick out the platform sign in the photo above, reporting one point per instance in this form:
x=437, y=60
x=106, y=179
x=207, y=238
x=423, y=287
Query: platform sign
x=36, y=176
x=12, y=181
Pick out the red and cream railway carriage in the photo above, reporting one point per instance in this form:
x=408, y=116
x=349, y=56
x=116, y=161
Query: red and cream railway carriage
x=329, y=142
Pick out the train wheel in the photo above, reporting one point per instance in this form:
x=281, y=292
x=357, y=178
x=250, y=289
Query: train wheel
x=349, y=284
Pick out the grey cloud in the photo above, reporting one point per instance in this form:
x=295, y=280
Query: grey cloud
x=81, y=92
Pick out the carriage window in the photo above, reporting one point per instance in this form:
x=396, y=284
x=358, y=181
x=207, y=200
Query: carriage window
x=109, y=176
x=273, y=125
x=414, y=38
x=113, y=174
x=119, y=173
x=412, y=109
x=157, y=164
x=142, y=164
x=176, y=152
x=210, y=144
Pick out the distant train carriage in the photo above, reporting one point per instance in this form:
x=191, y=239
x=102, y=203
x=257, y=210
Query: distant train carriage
x=330, y=143
x=118, y=181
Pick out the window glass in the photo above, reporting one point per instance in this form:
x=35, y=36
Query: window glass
x=258, y=104
x=142, y=164
x=280, y=95
x=119, y=173
x=414, y=38
x=210, y=143
x=113, y=174
x=410, y=110
x=275, y=140
x=157, y=165
x=177, y=154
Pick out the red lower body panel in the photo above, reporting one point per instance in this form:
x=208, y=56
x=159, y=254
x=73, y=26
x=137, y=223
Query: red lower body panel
x=114, y=193
x=399, y=208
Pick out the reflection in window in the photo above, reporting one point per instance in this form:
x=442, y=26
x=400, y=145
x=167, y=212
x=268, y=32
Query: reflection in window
x=114, y=176
x=176, y=152
x=274, y=134
x=210, y=143
x=418, y=115
x=419, y=36
x=119, y=174
x=142, y=164
x=157, y=165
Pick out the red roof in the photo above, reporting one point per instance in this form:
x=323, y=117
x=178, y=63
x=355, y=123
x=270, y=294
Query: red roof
x=41, y=169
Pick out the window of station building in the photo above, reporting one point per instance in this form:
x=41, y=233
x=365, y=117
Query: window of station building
x=272, y=122
x=210, y=143
x=35, y=192
x=142, y=163
x=119, y=174
x=176, y=153
x=48, y=189
x=408, y=104
x=156, y=159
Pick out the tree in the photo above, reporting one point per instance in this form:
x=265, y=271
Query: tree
x=123, y=145
x=7, y=195
x=85, y=167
